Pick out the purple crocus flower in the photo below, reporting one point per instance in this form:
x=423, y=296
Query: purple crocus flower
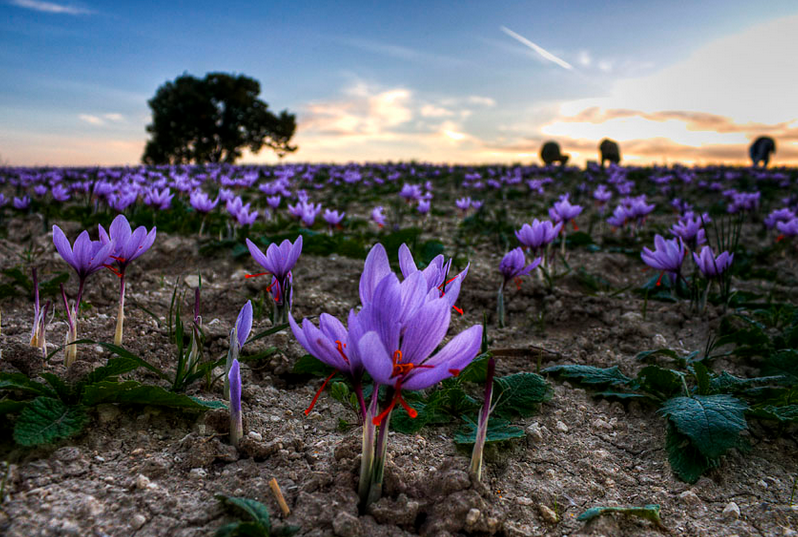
x=424, y=206
x=436, y=274
x=161, y=199
x=86, y=257
x=711, y=266
x=3, y=199
x=538, y=234
x=787, y=229
x=246, y=218
x=410, y=192
x=333, y=218
x=513, y=265
x=779, y=215
x=202, y=202
x=620, y=216
x=563, y=211
x=463, y=203
x=128, y=245
x=21, y=203
x=238, y=336
x=273, y=201
x=278, y=261
x=690, y=231
x=236, y=425
x=40, y=190
x=60, y=193
x=667, y=257
x=377, y=216
x=477, y=205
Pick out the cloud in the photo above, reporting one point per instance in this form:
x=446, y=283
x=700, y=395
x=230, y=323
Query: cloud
x=545, y=54
x=481, y=101
x=399, y=52
x=90, y=119
x=114, y=117
x=51, y=7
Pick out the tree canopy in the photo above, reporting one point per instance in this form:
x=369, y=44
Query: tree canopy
x=212, y=120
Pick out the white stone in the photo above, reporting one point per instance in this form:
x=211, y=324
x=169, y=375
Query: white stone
x=137, y=521
x=535, y=431
x=255, y=435
x=689, y=497
x=548, y=514
x=473, y=516
x=197, y=473
x=563, y=428
x=731, y=511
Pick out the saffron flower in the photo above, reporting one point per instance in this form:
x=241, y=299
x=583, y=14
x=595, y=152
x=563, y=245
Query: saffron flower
x=423, y=206
x=711, y=266
x=202, y=202
x=236, y=425
x=21, y=203
x=238, y=336
x=667, y=256
x=563, y=211
x=512, y=266
x=787, y=229
x=538, y=235
x=691, y=231
x=333, y=219
x=463, y=204
x=278, y=261
x=128, y=245
x=377, y=216
x=86, y=257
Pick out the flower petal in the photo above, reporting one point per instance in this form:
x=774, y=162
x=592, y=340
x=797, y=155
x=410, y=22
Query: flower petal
x=375, y=358
x=454, y=357
x=375, y=269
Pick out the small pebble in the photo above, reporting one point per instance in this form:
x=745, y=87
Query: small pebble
x=548, y=514
x=197, y=473
x=137, y=521
x=255, y=435
x=563, y=428
x=689, y=497
x=473, y=516
x=731, y=511
x=535, y=432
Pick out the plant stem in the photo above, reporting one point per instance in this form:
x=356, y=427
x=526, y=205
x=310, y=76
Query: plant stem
x=367, y=458
x=500, y=306
x=380, y=451
x=120, y=316
x=482, y=427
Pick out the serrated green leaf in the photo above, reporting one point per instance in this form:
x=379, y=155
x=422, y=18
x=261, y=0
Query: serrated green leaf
x=59, y=386
x=686, y=461
x=477, y=370
x=621, y=395
x=310, y=365
x=105, y=391
x=124, y=353
x=267, y=332
x=787, y=413
x=210, y=405
x=255, y=510
x=521, y=393
x=340, y=392
x=712, y=422
x=589, y=374
x=46, y=420
x=649, y=512
x=727, y=383
x=702, y=378
x=19, y=381
x=499, y=430
x=782, y=363
x=660, y=382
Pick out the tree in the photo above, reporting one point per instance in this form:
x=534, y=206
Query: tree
x=212, y=120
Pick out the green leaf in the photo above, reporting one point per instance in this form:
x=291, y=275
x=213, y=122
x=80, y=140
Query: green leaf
x=783, y=363
x=133, y=393
x=521, y=393
x=105, y=391
x=114, y=367
x=649, y=512
x=712, y=422
x=8, y=406
x=686, y=461
x=660, y=382
x=727, y=383
x=589, y=374
x=59, y=386
x=403, y=423
x=46, y=420
x=268, y=332
x=788, y=413
x=310, y=365
x=242, y=529
x=670, y=353
x=255, y=510
x=19, y=381
x=340, y=392
x=499, y=430
x=702, y=378
x=477, y=370
x=621, y=395
x=124, y=353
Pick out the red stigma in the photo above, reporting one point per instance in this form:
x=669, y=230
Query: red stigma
x=576, y=228
x=318, y=393
x=115, y=271
x=517, y=283
x=458, y=310
x=780, y=238
x=659, y=280
x=397, y=398
x=276, y=284
x=455, y=372
x=341, y=347
x=256, y=275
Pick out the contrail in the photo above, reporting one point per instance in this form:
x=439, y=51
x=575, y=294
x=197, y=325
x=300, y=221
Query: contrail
x=540, y=50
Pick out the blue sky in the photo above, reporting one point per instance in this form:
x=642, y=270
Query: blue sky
x=434, y=81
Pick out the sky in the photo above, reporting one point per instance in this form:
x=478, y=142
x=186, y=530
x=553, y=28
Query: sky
x=468, y=82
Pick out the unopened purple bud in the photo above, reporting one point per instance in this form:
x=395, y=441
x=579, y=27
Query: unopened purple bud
x=236, y=424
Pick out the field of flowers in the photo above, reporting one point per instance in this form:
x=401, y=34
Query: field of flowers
x=398, y=349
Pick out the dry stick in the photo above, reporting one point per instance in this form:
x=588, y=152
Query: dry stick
x=279, y=495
